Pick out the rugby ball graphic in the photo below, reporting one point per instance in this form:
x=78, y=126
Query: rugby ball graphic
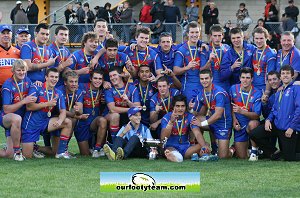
x=139, y=179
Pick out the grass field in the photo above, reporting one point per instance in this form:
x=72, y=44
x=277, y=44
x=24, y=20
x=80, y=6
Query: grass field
x=80, y=177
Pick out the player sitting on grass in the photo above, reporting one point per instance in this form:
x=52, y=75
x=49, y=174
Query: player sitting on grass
x=177, y=126
x=128, y=140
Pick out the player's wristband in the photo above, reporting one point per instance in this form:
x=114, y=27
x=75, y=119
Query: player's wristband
x=204, y=123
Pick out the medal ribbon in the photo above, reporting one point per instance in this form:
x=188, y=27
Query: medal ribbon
x=52, y=96
x=261, y=55
x=92, y=97
x=215, y=52
x=40, y=54
x=248, y=98
x=195, y=54
x=241, y=55
x=144, y=97
x=68, y=100
x=20, y=93
x=138, y=58
x=180, y=128
x=169, y=101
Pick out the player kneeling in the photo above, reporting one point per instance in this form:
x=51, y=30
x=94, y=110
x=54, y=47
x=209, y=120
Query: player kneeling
x=38, y=120
x=176, y=127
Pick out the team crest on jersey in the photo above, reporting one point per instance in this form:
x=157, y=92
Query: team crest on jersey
x=249, y=53
x=81, y=60
x=150, y=93
x=130, y=54
x=287, y=92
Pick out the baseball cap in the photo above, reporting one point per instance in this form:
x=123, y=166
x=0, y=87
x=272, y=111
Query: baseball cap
x=18, y=2
x=21, y=30
x=133, y=111
x=5, y=27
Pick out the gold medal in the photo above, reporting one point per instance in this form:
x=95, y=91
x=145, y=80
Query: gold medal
x=208, y=113
x=144, y=108
x=49, y=114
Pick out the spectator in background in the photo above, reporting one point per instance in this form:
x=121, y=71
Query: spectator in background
x=68, y=12
x=14, y=11
x=205, y=16
x=192, y=12
x=20, y=15
x=271, y=15
x=80, y=17
x=126, y=17
x=273, y=41
x=145, y=16
x=292, y=11
x=157, y=11
x=172, y=15
x=104, y=13
x=117, y=19
x=96, y=9
x=227, y=27
x=212, y=16
x=183, y=23
x=1, y=16
x=241, y=15
x=156, y=29
x=32, y=12
x=260, y=23
x=89, y=14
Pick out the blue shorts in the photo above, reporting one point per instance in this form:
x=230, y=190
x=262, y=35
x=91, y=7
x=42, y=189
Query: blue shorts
x=241, y=136
x=33, y=135
x=221, y=133
x=181, y=148
x=82, y=131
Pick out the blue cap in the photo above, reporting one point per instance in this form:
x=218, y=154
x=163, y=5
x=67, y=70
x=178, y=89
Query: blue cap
x=133, y=111
x=21, y=30
x=5, y=27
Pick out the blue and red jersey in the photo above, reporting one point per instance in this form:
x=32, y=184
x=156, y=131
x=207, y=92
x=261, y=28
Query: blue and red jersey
x=113, y=95
x=215, y=64
x=78, y=97
x=144, y=57
x=292, y=58
x=254, y=102
x=32, y=118
x=218, y=97
x=182, y=58
x=230, y=57
x=142, y=92
x=105, y=64
x=88, y=108
x=267, y=62
x=62, y=54
x=80, y=60
x=175, y=137
x=165, y=103
x=37, y=54
x=11, y=94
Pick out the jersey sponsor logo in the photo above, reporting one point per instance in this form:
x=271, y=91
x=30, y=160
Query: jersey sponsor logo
x=7, y=61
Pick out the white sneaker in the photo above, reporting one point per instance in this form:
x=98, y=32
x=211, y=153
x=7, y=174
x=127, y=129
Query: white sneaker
x=38, y=154
x=64, y=155
x=253, y=157
x=19, y=157
x=97, y=154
